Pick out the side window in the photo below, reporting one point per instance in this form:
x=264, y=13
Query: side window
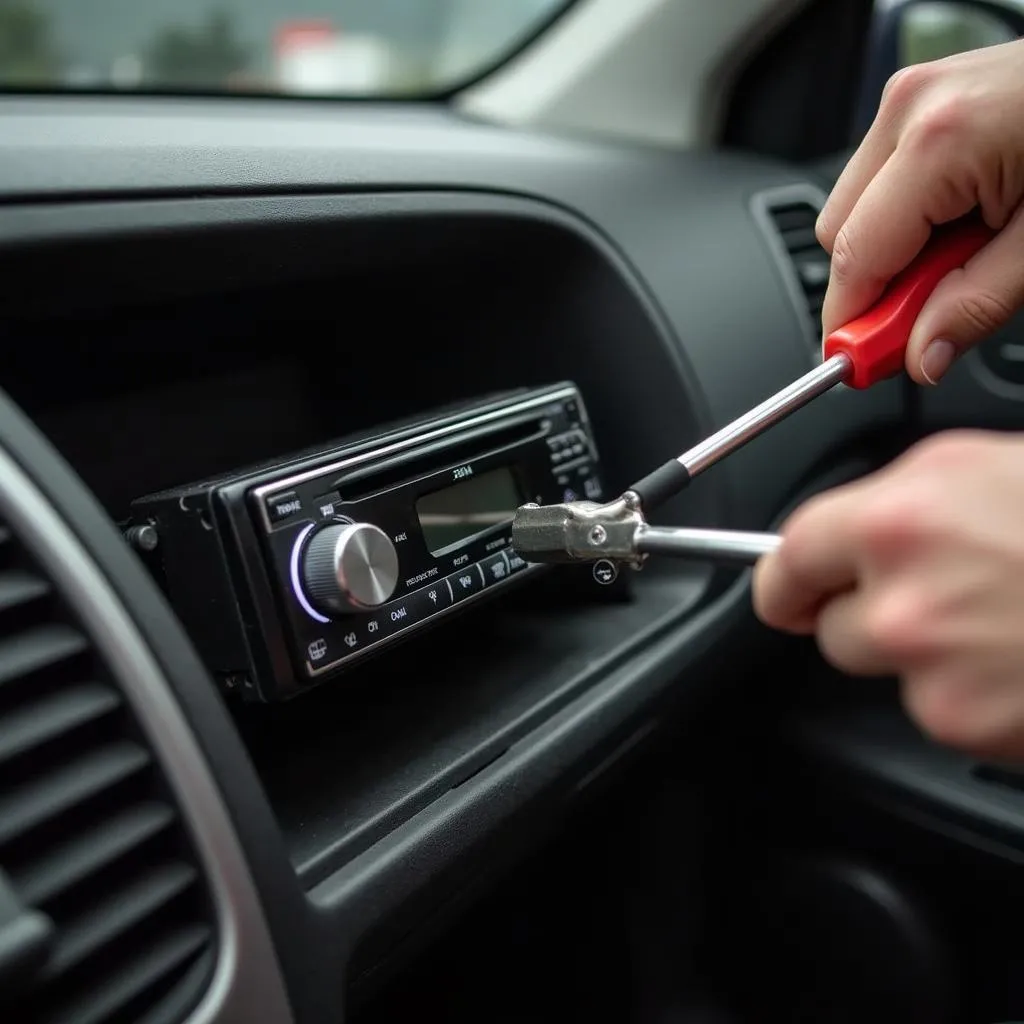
x=906, y=32
x=929, y=31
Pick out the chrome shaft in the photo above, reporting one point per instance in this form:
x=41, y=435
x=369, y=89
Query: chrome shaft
x=755, y=422
x=728, y=546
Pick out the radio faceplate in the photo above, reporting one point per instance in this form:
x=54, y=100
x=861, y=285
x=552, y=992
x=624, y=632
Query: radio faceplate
x=330, y=557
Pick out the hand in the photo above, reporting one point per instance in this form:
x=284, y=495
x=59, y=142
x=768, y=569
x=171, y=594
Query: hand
x=948, y=138
x=918, y=571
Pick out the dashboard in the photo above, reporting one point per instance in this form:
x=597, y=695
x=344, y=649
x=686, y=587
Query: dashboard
x=194, y=290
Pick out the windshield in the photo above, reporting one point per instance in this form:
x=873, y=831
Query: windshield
x=290, y=47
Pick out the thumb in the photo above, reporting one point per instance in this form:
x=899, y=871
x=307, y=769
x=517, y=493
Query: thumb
x=969, y=304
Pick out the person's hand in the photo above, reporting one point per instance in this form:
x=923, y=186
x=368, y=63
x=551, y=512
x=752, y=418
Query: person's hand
x=948, y=138
x=918, y=571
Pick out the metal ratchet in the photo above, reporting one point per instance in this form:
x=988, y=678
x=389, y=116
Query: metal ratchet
x=870, y=349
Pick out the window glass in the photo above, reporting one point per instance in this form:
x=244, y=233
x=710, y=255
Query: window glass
x=930, y=31
x=293, y=47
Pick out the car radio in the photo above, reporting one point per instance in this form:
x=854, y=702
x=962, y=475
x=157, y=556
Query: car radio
x=291, y=573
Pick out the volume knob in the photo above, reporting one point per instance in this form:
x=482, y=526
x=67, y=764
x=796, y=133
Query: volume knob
x=351, y=567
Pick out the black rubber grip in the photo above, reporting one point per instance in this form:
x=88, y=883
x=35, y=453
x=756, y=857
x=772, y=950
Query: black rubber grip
x=664, y=483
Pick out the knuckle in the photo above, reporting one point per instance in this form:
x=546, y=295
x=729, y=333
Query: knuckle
x=983, y=312
x=896, y=625
x=903, y=86
x=894, y=522
x=938, y=124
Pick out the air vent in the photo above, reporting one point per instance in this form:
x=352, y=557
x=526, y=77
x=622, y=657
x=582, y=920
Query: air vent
x=793, y=221
x=787, y=216
x=101, y=895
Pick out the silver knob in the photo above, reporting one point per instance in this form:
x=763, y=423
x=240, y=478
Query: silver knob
x=350, y=567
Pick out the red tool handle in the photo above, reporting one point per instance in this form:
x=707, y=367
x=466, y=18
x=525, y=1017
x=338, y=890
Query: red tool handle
x=876, y=342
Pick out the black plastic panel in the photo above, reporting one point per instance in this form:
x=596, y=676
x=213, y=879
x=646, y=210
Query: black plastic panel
x=878, y=753
x=453, y=704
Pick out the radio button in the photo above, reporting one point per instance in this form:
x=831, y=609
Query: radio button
x=399, y=615
x=325, y=507
x=495, y=569
x=466, y=582
x=434, y=598
x=516, y=563
x=283, y=506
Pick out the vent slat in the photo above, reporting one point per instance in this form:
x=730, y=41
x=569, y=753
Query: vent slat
x=20, y=588
x=110, y=919
x=37, y=649
x=89, y=832
x=34, y=724
x=72, y=783
x=794, y=222
x=172, y=955
x=813, y=272
x=793, y=215
x=69, y=863
x=798, y=239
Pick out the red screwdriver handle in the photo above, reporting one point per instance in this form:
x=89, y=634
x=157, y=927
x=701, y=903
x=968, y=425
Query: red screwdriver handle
x=876, y=342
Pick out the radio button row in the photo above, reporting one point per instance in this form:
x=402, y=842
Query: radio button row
x=366, y=630
x=393, y=618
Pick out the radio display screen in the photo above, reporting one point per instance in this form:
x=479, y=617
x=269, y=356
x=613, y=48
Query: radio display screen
x=467, y=508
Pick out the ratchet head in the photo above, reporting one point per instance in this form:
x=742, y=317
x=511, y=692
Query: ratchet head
x=578, y=531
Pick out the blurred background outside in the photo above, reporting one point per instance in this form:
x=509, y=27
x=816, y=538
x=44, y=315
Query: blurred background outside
x=304, y=47
x=327, y=47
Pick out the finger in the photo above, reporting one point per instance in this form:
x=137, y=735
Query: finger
x=875, y=148
x=969, y=304
x=845, y=639
x=774, y=602
x=812, y=564
x=887, y=228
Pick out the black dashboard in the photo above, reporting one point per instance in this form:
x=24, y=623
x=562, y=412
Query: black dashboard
x=192, y=287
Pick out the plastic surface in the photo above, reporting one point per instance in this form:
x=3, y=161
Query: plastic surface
x=876, y=342
x=883, y=753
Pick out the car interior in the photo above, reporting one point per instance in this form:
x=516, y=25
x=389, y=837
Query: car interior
x=273, y=309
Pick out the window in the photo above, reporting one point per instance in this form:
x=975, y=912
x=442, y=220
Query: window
x=929, y=31
x=369, y=48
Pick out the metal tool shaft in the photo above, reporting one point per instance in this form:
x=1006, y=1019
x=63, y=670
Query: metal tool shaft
x=726, y=546
x=771, y=411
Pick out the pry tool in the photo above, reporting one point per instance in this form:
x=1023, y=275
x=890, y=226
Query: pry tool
x=867, y=350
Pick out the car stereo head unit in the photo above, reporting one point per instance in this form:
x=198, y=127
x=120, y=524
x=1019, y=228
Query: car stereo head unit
x=288, y=574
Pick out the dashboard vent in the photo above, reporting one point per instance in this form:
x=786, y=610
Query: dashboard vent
x=101, y=895
x=794, y=222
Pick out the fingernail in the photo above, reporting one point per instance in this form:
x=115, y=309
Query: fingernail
x=937, y=359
